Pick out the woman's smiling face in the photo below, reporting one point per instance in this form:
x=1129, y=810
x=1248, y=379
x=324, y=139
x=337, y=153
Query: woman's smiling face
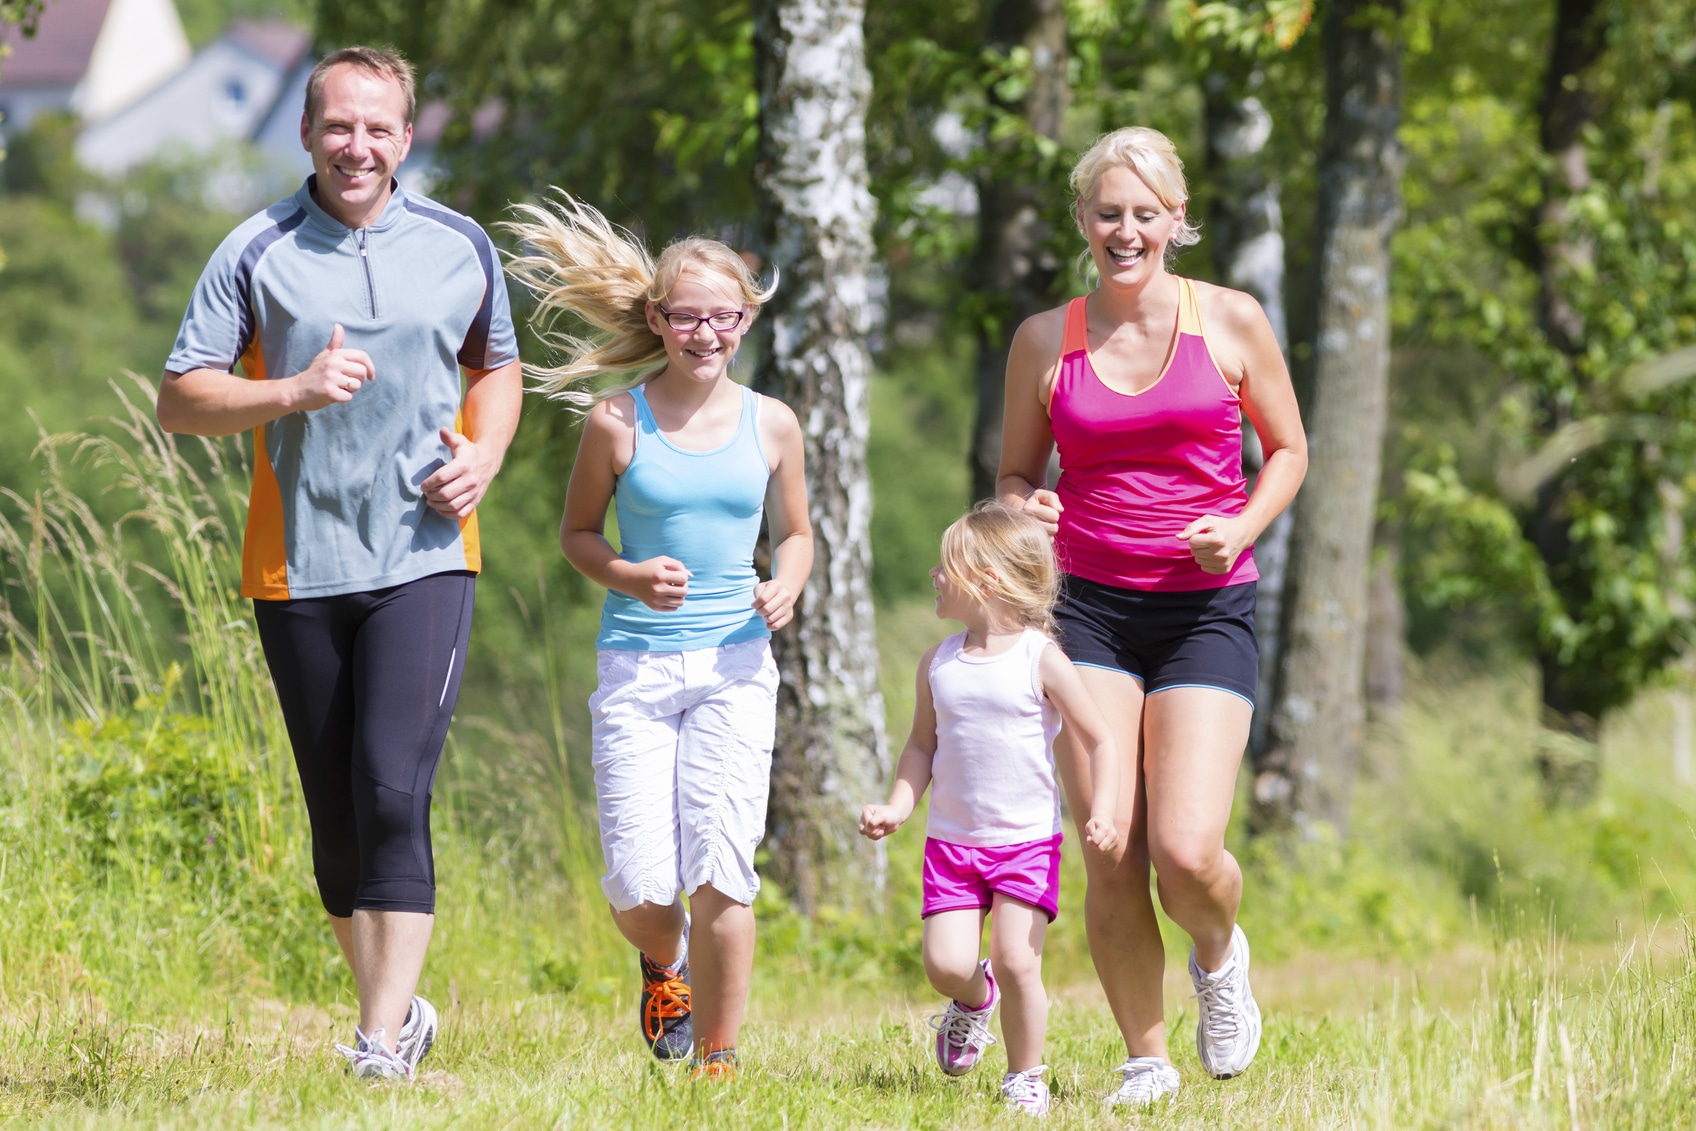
x=1127, y=227
x=703, y=353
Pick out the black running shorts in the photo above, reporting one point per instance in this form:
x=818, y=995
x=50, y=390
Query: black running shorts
x=1199, y=638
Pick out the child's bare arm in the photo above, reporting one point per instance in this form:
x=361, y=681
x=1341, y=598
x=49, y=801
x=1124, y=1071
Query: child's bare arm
x=1060, y=682
x=912, y=772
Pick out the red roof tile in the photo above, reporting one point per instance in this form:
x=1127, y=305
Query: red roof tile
x=59, y=51
x=281, y=42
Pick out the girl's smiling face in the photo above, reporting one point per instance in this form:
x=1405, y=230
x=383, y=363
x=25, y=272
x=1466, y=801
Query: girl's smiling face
x=952, y=601
x=700, y=353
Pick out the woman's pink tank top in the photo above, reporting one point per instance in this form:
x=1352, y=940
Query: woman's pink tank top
x=1136, y=469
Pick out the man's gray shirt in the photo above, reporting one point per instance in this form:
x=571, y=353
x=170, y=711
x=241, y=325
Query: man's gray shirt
x=337, y=503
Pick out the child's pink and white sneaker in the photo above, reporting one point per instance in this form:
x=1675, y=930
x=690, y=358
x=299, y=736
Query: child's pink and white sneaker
x=962, y=1033
x=1026, y=1091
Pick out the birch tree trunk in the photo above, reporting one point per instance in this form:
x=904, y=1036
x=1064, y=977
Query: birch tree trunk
x=1319, y=709
x=1245, y=221
x=1386, y=629
x=1014, y=268
x=812, y=178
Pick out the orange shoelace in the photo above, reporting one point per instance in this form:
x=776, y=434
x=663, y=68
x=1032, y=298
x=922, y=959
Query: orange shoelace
x=666, y=1000
x=715, y=1068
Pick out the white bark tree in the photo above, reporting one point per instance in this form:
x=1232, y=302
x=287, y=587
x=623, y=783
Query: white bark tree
x=1319, y=707
x=815, y=196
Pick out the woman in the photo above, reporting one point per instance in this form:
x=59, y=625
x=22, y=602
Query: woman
x=685, y=713
x=1142, y=384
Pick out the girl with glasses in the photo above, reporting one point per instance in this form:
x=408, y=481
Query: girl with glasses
x=684, y=715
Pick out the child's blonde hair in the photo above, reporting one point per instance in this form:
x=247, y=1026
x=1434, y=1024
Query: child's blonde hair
x=577, y=263
x=1005, y=553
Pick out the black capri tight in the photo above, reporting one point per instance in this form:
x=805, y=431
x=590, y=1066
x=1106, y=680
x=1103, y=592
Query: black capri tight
x=367, y=683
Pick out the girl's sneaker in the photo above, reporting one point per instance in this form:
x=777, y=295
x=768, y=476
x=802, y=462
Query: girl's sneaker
x=1144, y=1081
x=720, y=1064
x=665, y=1011
x=369, y=1060
x=664, y=1005
x=1026, y=1091
x=962, y=1033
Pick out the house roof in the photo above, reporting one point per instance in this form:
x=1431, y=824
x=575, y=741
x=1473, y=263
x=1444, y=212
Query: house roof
x=277, y=41
x=58, y=53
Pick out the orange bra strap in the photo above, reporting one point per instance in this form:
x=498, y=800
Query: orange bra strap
x=1076, y=337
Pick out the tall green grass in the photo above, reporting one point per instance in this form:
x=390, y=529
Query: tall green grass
x=154, y=855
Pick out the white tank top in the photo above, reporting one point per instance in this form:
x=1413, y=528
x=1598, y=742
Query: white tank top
x=992, y=780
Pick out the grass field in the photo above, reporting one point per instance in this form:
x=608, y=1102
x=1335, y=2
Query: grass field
x=1522, y=1037
x=1470, y=955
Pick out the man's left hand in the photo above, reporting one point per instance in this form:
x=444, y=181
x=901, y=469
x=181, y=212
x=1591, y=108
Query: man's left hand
x=458, y=485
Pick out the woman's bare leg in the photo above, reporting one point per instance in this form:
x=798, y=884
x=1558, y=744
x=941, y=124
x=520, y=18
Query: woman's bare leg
x=1193, y=742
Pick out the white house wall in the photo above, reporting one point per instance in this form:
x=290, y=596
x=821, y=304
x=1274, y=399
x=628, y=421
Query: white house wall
x=218, y=98
x=278, y=136
x=141, y=44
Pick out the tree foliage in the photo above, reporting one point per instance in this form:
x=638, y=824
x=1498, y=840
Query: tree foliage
x=648, y=109
x=1608, y=602
x=25, y=14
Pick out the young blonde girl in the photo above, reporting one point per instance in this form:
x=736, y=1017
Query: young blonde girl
x=684, y=714
x=990, y=701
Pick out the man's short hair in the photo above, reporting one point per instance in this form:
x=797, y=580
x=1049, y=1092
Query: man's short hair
x=374, y=60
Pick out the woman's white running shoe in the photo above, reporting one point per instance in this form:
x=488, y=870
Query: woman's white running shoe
x=1144, y=1080
x=1227, y=1033
x=1026, y=1091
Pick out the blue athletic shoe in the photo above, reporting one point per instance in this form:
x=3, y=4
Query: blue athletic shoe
x=665, y=1010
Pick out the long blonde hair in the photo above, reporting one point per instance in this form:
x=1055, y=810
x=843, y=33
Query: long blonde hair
x=578, y=264
x=1006, y=553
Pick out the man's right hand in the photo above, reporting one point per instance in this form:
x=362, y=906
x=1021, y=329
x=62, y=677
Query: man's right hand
x=334, y=375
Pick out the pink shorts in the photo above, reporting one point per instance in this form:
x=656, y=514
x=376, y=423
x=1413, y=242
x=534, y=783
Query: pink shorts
x=958, y=876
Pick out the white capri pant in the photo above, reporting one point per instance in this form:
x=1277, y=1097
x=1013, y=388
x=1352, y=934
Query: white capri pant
x=682, y=753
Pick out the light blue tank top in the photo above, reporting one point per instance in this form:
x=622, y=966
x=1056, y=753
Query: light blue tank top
x=704, y=509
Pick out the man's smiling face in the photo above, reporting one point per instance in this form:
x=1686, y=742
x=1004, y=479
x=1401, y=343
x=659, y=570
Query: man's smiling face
x=360, y=137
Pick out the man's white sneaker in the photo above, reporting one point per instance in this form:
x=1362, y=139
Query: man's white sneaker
x=1026, y=1091
x=1227, y=1033
x=417, y=1034
x=369, y=1060
x=1143, y=1081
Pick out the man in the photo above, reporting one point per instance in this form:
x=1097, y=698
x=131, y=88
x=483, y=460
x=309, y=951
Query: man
x=352, y=306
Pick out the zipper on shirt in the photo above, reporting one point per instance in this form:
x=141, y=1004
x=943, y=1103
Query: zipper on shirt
x=365, y=259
